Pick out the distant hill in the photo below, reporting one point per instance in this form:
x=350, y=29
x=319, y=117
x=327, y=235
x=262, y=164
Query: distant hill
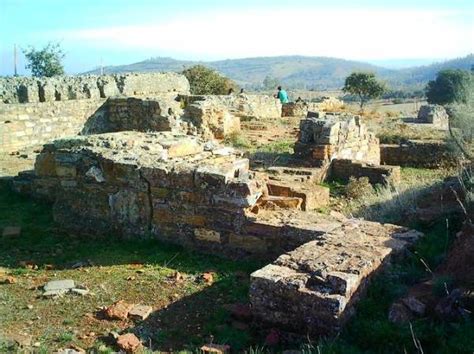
x=299, y=71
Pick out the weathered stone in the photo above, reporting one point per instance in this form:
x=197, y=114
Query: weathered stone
x=118, y=310
x=314, y=288
x=140, y=312
x=414, y=305
x=281, y=202
x=128, y=342
x=59, y=285
x=215, y=348
x=434, y=114
x=207, y=235
x=399, y=314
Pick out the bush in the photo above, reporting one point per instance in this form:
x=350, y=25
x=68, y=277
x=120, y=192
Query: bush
x=45, y=62
x=358, y=188
x=205, y=81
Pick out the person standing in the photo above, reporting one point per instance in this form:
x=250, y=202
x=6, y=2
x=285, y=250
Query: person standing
x=282, y=95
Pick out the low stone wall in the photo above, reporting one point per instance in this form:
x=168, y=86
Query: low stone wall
x=30, y=124
x=63, y=88
x=435, y=115
x=336, y=137
x=313, y=289
x=425, y=154
x=345, y=169
x=243, y=105
x=294, y=109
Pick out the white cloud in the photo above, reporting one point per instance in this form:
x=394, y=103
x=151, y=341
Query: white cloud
x=354, y=34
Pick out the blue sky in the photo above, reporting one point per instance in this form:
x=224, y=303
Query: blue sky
x=121, y=32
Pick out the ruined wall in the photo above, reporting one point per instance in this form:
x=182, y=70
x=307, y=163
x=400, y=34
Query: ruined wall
x=161, y=113
x=294, y=109
x=427, y=154
x=243, y=105
x=313, y=289
x=345, y=169
x=336, y=137
x=434, y=114
x=63, y=88
x=31, y=124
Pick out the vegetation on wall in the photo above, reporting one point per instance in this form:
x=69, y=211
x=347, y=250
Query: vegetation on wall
x=205, y=81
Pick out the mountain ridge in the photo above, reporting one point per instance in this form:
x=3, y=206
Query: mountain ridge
x=298, y=71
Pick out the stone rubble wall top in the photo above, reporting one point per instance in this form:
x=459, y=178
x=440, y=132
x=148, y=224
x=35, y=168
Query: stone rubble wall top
x=62, y=88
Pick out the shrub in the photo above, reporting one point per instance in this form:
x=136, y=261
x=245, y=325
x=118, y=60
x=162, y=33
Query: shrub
x=358, y=188
x=205, y=81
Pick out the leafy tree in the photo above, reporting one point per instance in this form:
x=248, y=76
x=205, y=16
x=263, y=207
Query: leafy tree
x=450, y=86
x=364, y=85
x=205, y=81
x=46, y=61
x=270, y=82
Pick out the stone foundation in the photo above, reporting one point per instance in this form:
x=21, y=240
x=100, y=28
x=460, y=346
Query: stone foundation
x=426, y=154
x=345, y=169
x=313, y=289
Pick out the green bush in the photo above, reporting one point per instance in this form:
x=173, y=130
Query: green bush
x=205, y=81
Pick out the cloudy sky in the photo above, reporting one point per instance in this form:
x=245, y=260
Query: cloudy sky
x=124, y=31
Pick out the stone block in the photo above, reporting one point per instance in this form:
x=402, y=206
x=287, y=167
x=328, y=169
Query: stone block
x=207, y=235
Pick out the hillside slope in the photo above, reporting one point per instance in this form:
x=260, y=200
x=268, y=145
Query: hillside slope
x=299, y=71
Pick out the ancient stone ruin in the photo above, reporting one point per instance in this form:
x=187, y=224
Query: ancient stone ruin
x=150, y=165
x=435, y=115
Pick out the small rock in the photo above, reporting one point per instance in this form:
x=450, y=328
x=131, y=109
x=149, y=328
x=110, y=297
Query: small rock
x=449, y=307
x=55, y=293
x=36, y=344
x=215, y=348
x=59, y=285
x=399, y=314
x=208, y=277
x=79, y=291
x=29, y=307
x=128, y=342
x=140, y=312
x=118, y=310
x=414, y=305
x=11, y=231
x=177, y=277
x=8, y=280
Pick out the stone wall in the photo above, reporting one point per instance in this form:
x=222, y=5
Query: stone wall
x=336, y=137
x=243, y=105
x=294, y=109
x=435, y=115
x=32, y=124
x=313, y=289
x=63, y=88
x=161, y=113
x=427, y=154
x=345, y=169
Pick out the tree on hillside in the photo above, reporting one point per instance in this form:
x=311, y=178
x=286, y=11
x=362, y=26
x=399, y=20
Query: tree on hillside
x=364, y=85
x=45, y=62
x=270, y=82
x=450, y=86
x=205, y=81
